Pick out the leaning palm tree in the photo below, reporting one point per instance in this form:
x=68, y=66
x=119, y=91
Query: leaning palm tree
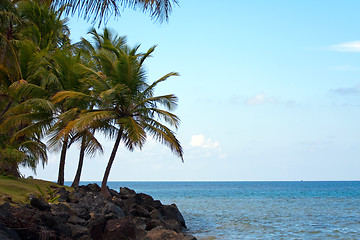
x=101, y=9
x=66, y=75
x=125, y=101
x=89, y=145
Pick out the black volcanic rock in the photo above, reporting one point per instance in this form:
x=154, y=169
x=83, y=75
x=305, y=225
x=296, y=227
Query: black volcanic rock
x=85, y=214
x=8, y=234
x=39, y=203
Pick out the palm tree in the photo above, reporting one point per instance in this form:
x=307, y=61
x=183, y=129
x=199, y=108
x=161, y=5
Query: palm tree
x=43, y=24
x=125, y=101
x=101, y=9
x=67, y=74
x=23, y=126
x=63, y=130
x=90, y=145
x=44, y=33
x=25, y=111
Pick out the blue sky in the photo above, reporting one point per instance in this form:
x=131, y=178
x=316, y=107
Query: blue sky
x=269, y=90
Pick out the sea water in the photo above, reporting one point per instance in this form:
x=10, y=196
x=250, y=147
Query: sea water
x=261, y=210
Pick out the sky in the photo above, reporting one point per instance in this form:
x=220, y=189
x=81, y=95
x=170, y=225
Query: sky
x=268, y=91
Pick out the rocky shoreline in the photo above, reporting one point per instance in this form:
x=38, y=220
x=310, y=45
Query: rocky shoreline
x=85, y=214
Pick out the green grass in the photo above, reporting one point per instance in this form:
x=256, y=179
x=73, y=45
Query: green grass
x=18, y=189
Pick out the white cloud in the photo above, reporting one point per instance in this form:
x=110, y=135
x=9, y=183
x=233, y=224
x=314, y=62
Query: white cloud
x=197, y=140
x=348, y=91
x=256, y=100
x=200, y=141
x=260, y=99
x=353, y=46
x=206, y=147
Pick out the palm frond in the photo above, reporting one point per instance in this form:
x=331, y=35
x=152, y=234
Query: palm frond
x=149, y=90
x=165, y=136
x=134, y=132
x=168, y=117
x=65, y=95
x=115, y=94
x=100, y=10
x=39, y=128
x=37, y=149
x=22, y=88
x=167, y=101
x=146, y=55
x=90, y=118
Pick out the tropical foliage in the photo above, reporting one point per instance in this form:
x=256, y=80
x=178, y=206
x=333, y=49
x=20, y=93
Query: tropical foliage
x=68, y=93
x=101, y=9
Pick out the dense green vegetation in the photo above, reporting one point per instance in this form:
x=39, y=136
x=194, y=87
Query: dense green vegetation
x=64, y=92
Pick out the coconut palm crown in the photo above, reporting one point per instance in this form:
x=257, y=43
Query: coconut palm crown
x=125, y=101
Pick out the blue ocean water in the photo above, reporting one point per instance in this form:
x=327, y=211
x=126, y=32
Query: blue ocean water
x=261, y=210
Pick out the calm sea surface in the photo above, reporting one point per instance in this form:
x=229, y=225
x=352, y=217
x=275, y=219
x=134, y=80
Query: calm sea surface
x=261, y=210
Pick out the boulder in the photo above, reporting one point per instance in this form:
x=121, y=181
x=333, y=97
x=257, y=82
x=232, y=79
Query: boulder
x=78, y=231
x=124, y=191
x=174, y=225
x=153, y=224
x=64, y=195
x=163, y=234
x=85, y=214
x=139, y=211
x=53, y=223
x=113, y=193
x=156, y=215
x=172, y=212
x=92, y=187
x=119, y=229
x=39, y=203
x=76, y=220
x=111, y=208
x=81, y=212
x=8, y=234
x=96, y=227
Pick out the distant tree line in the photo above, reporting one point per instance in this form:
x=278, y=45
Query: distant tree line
x=67, y=93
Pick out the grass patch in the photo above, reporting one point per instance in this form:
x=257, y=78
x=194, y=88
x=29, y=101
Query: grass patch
x=18, y=189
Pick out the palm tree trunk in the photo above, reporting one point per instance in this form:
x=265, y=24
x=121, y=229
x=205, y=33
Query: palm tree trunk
x=60, y=180
x=81, y=161
x=6, y=109
x=104, y=189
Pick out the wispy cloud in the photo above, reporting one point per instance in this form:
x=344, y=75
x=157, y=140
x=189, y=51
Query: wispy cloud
x=353, y=46
x=260, y=99
x=256, y=100
x=201, y=141
x=347, y=91
x=209, y=147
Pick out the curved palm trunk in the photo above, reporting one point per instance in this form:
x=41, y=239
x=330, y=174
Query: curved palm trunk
x=6, y=109
x=104, y=189
x=81, y=161
x=60, y=180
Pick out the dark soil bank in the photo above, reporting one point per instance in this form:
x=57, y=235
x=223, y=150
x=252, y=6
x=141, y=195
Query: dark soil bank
x=86, y=214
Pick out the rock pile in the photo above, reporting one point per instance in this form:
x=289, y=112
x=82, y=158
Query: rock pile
x=85, y=214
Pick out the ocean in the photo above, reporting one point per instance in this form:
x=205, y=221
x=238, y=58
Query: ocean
x=261, y=210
